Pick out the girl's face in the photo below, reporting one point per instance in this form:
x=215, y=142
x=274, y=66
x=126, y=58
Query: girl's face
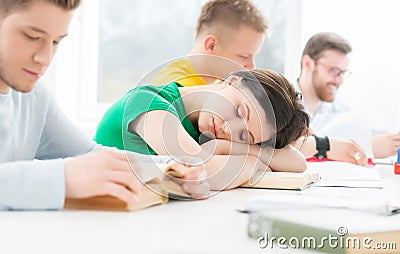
x=233, y=113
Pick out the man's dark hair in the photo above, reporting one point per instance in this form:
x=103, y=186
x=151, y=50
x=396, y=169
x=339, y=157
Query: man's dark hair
x=324, y=41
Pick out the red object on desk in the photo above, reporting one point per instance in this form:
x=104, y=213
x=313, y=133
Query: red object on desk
x=369, y=165
x=397, y=163
x=396, y=168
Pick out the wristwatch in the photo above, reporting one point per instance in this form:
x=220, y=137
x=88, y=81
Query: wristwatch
x=322, y=146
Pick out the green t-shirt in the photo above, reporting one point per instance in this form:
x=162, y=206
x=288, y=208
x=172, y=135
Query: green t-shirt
x=113, y=128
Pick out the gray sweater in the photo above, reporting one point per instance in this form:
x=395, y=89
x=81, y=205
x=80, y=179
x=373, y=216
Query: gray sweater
x=34, y=137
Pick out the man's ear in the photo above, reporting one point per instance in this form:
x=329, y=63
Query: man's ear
x=307, y=63
x=209, y=44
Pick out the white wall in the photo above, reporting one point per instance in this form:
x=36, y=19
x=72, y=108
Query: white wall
x=372, y=28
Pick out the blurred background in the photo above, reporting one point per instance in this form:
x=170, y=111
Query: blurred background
x=112, y=44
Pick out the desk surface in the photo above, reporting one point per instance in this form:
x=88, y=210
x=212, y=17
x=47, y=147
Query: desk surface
x=208, y=226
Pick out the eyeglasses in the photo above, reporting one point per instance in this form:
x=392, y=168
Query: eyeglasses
x=334, y=71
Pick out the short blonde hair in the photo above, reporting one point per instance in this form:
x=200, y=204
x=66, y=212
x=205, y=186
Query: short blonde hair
x=230, y=13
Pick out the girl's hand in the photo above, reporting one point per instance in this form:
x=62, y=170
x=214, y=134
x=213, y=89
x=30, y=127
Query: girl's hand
x=193, y=181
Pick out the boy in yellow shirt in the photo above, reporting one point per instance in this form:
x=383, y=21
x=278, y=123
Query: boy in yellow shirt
x=229, y=34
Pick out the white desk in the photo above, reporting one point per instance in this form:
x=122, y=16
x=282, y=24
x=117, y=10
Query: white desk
x=209, y=226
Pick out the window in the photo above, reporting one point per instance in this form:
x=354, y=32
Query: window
x=120, y=41
x=136, y=36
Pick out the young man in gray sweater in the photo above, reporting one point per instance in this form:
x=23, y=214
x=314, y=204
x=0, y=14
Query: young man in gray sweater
x=44, y=158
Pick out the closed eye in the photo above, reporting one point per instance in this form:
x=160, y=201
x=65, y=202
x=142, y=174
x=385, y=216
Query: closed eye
x=244, y=137
x=32, y=38
x=238, y=112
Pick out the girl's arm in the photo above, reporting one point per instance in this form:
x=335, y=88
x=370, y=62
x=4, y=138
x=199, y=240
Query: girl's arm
x=230, y=171
x=164, y=133
x=287, y=159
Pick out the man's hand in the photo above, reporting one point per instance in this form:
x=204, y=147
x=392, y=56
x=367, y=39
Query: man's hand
x=385, y=144
x=106, y=172
x=347, y=151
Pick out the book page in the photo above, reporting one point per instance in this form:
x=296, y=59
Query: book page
x=282, y=180
x=342, y=171
x=165, y=172
x=342, y=174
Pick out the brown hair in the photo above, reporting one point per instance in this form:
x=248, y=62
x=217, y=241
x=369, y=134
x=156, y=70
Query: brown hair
x=232, y=14
x=281, y=102
x=6, y=6
x=324, y=41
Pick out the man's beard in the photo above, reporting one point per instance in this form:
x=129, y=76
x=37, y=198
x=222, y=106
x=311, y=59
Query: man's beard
x=320, y=89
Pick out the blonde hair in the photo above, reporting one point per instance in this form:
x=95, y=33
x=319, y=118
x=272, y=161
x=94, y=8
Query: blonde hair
x=231, y=14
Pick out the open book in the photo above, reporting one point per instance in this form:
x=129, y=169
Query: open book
x=157, y=189
x=282, y=180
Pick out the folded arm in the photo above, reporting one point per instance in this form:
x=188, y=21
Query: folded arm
x=224, y=172
x=287, y=159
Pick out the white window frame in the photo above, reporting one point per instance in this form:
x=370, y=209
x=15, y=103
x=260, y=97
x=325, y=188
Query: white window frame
x=73, y=76
x=91, y=109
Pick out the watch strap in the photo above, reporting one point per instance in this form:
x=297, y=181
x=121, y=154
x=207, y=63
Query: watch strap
x=322, y=146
